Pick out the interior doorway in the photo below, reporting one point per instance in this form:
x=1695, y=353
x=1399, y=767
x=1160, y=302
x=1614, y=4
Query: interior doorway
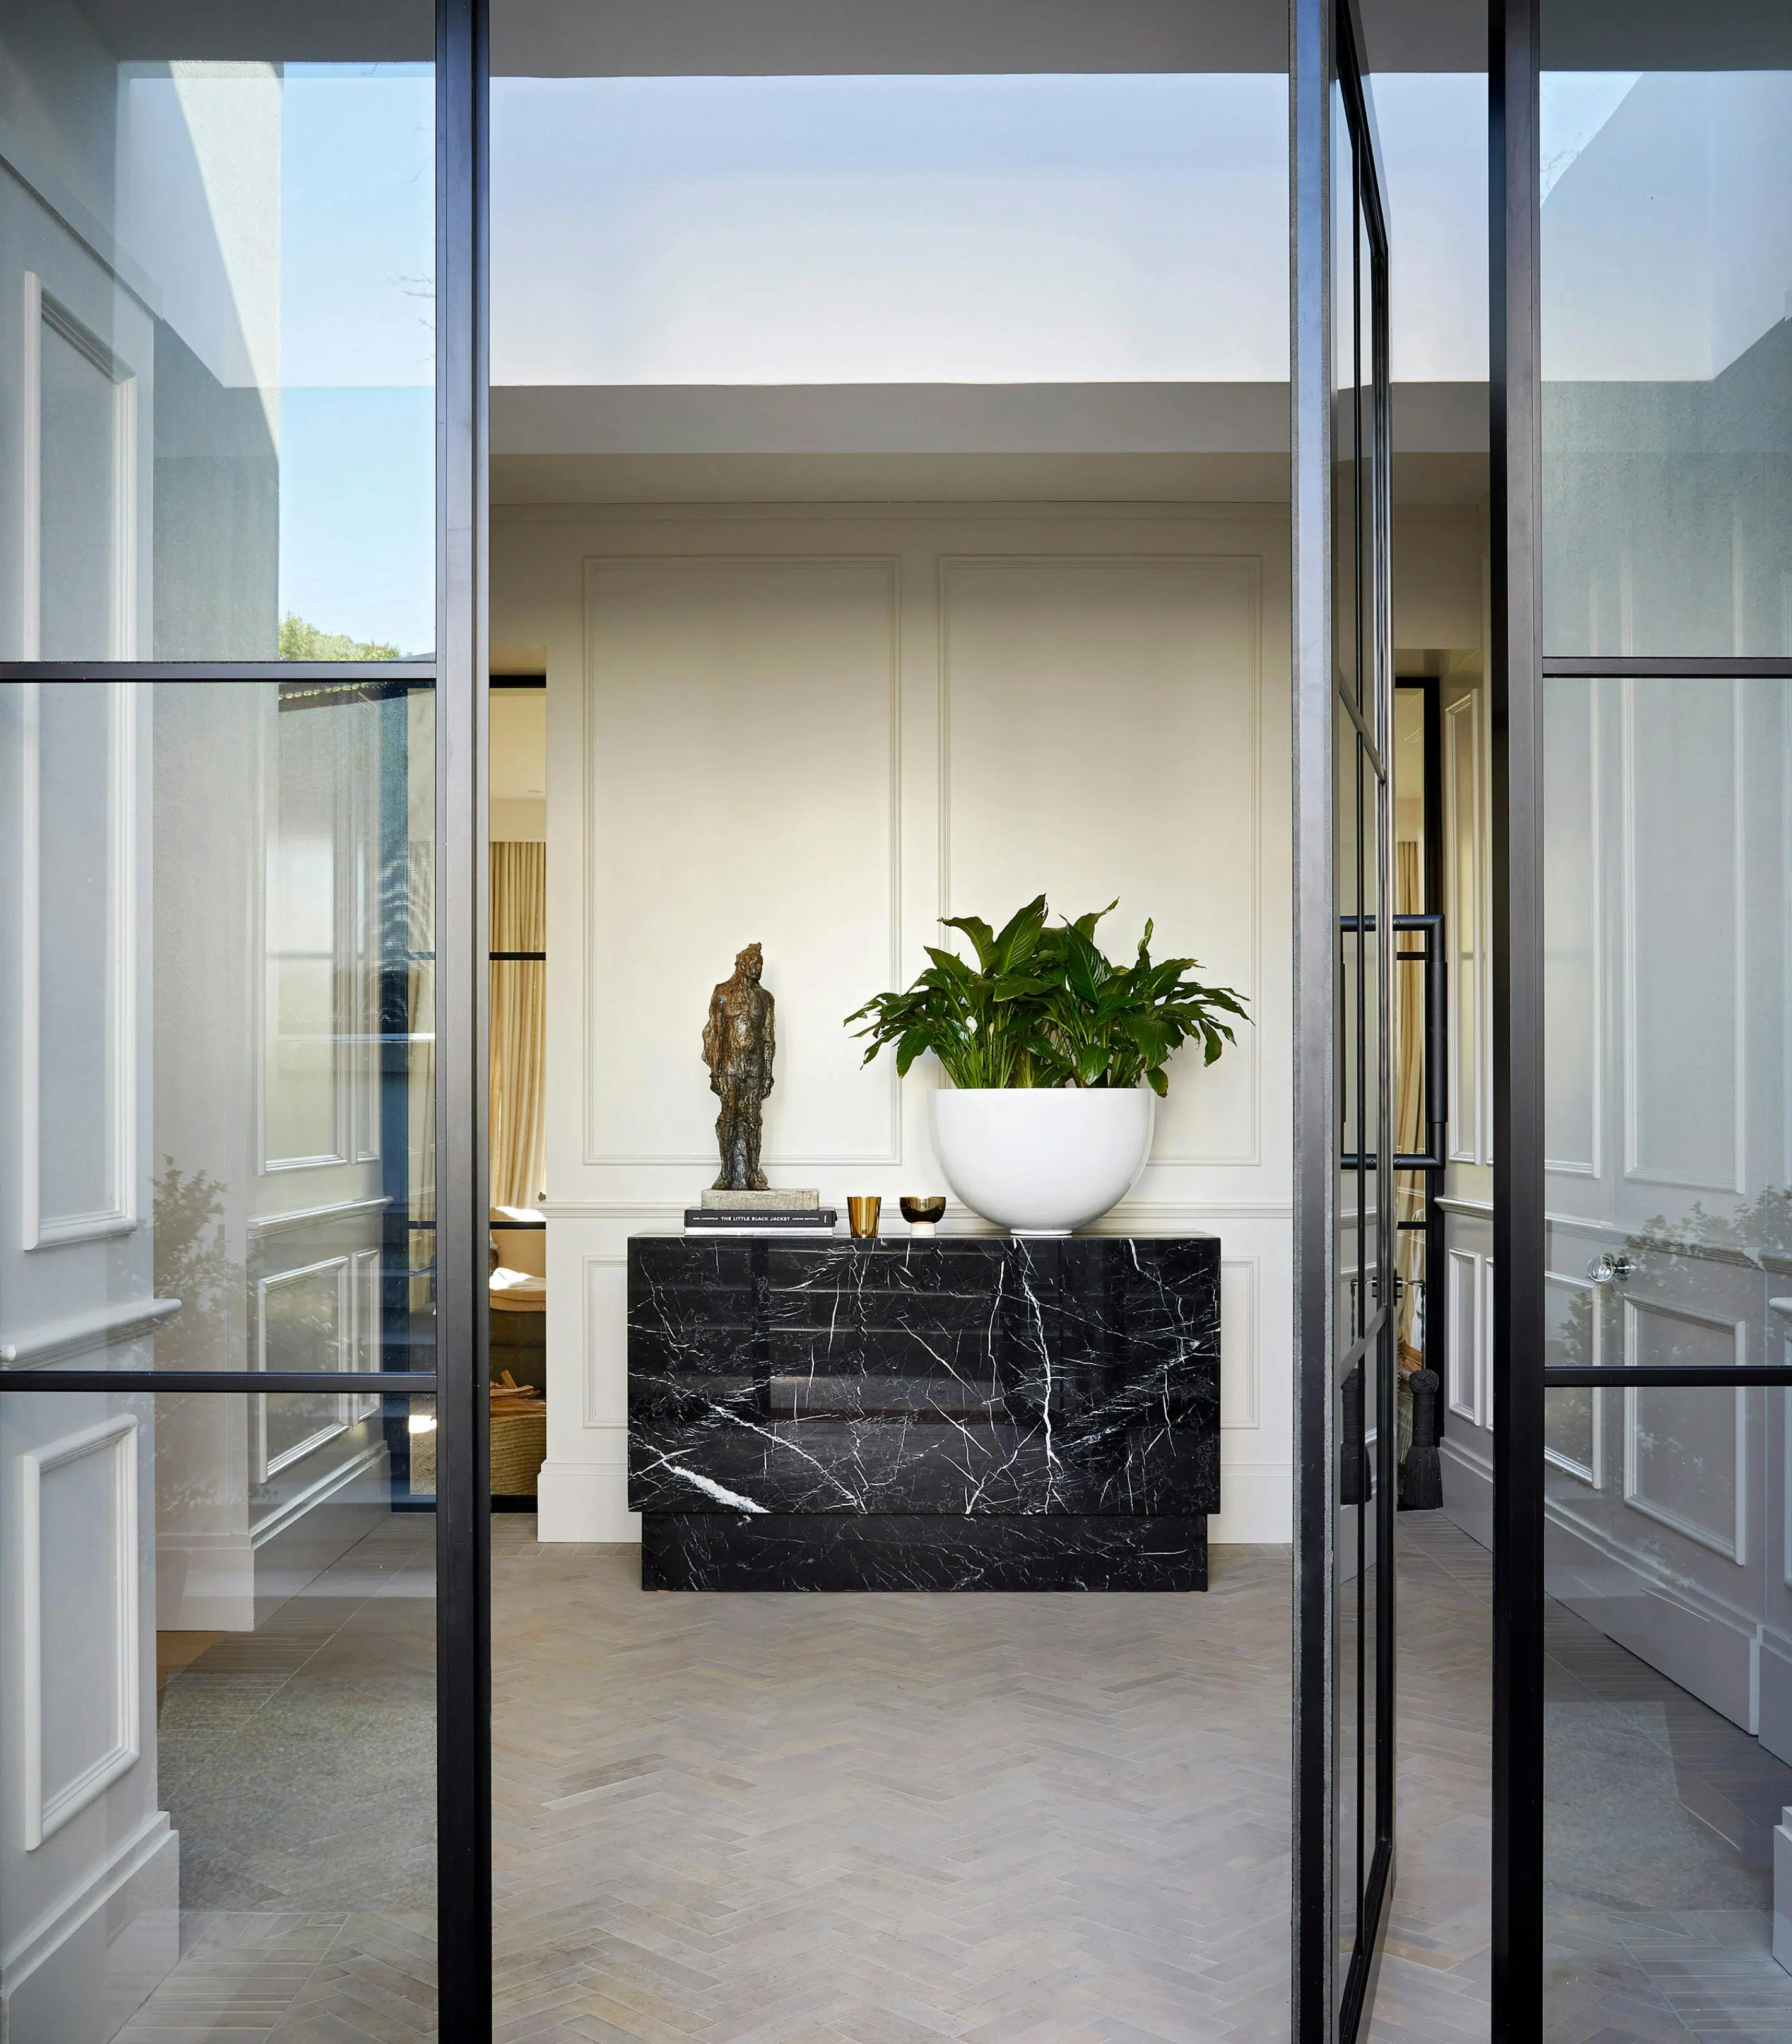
x=517, y=1027
x=900, y=522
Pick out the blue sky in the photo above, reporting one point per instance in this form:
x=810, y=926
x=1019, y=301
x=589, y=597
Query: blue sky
x=357, y=352
x=811, y=229
x=1093, y=227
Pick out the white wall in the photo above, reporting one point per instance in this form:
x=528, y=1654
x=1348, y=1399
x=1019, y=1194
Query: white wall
x=824, y=729
x=1670, y=1512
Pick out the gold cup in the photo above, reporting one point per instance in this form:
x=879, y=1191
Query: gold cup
x=923, y=1215
x=862, y=1212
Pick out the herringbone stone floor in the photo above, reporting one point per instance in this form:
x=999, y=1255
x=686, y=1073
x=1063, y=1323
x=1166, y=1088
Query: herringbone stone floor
x=888, y=1819
x=883, y=1819
x=298, y=1763
x=1433, y=1981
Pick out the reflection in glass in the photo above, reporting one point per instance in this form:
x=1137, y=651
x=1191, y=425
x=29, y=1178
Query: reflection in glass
x=221, y=228
x=1665, y=1780
x=1030, y=228
x=1667, y=256
x=221, y=1778
x=228, y=1114
x=1463, y=783
x=1668, y=1506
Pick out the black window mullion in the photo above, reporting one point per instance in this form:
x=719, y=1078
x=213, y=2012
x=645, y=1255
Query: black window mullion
x=418, y=1382
x=1520, y=1303
x=462, y=940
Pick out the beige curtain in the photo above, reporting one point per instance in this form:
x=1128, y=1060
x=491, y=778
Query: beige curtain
x=1408, y=1091
x=519, y=1020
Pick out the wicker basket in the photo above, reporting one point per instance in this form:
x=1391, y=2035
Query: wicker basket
x=519, y=1447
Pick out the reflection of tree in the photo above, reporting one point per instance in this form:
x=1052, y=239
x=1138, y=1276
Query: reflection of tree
x=1693, y=1261
x=301, y=641
x=1574, y=1329
x=198, y=1478
x=192, y=1265
x=1759, y=1232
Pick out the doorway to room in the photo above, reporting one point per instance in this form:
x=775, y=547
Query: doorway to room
x=889, y=521
x=901, y=537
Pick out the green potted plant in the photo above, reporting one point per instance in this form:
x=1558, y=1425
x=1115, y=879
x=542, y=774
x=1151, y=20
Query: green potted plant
x=1054, y=1057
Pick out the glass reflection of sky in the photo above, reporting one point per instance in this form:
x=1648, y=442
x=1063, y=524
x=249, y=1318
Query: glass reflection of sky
x=357, y=420
x=1667, y=235
x=1036, y=229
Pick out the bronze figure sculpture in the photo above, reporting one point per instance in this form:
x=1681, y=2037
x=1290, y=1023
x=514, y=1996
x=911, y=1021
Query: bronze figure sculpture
x=738, y=1047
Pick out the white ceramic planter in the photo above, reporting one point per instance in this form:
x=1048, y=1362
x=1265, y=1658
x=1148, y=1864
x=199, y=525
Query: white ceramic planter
x=1043, y=1160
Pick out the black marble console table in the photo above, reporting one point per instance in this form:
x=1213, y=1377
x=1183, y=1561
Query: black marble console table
x=971, y=1412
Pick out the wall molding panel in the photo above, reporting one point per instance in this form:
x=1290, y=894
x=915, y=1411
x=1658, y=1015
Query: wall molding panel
x=1691, y=1452
x=115, y=1211
x=268, y=1461
x=1577, y=812
x=821, y=727
x=1462, y=1341
x=604, y=1373
x=52, y=1803
x=1645, y=1162
x=1591, y=1471
x=43, y=310
x=819, y=855
x=1230, y=586
x=1240, y=1346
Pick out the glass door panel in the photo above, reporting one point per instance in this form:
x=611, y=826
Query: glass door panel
x=217, y=1635
x=1348, y=1326
x=225, y=1012
x=218, y=1722
x=1665, y=256
x=1666, y=1539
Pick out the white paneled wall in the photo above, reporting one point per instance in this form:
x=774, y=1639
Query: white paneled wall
x=824, y=729
x=1666, y=950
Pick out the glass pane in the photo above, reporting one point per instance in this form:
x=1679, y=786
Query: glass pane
x=220, y=1777
x=1414, y=1102
x=1378, y=951
x=221, y=227
x=226, y=1029
x=1666, y=255
x=1040, y=227
x=1667, y=1775
x=934, y=337
x=1349, y=364
x=1465, y=785
x=1354, y=954
x=1667, y=810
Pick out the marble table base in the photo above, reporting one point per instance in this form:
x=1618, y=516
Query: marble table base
x=818, y=1550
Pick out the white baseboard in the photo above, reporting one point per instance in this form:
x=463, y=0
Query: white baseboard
x=586, y=1501
x=1710, y=1650
x=86, y=1968
x=1694, y=1639
x=1773, y=1723
x=1468, y=1491
x=230, y=1583
x=1257, y=1506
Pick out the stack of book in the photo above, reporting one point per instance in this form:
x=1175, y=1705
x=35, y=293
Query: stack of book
x=797, y=1216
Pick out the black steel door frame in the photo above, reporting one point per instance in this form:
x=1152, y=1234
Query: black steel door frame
x=1326, y=58
x=457, y=1382
x=1437, y=969
x=1520, y=665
